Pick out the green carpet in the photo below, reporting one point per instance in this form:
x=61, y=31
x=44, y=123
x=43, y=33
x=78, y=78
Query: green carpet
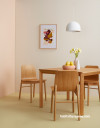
x=23, y=114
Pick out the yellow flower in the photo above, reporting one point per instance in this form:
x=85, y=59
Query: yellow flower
x=79, y=49
x=70, y=51
x=76, y=51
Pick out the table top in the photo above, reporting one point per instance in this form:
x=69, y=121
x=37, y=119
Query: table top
x=85, y=71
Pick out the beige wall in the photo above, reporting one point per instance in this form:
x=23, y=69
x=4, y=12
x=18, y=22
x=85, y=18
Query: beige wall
x=31, y=13
x=7, y=47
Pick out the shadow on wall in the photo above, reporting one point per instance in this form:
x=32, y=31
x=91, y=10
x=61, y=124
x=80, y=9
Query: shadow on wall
x=2, y=89
x=6, y=86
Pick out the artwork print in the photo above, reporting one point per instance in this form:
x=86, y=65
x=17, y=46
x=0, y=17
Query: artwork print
x=48, y=35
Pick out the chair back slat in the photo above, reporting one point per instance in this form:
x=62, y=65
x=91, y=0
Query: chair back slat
x=92, y=77
x=28, y=71
x=66, y=80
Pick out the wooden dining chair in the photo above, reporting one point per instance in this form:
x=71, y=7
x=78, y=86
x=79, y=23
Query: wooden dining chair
x=65, y=81
x=92, y=80
x=28, y=76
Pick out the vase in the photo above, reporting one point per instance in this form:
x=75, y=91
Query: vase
x=77, y=63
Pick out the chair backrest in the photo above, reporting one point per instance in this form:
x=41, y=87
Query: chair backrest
x=92, y=77
x=66, y=80
x=28, y=71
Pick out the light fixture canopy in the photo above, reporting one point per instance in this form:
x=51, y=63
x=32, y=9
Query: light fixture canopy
x=73, y=27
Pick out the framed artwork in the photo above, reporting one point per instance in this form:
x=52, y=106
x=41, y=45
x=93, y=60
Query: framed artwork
x=48, y=36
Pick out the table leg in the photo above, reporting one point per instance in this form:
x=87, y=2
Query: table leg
x=68, y=95
x=41, y=89
x=81, y=94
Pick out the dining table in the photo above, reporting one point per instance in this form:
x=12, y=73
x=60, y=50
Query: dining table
x=81, y=72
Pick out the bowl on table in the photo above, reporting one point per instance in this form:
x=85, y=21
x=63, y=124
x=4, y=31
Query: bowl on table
x=65, y=67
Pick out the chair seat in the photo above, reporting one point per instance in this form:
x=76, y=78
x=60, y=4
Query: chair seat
x=30, y=80
x=86, y=82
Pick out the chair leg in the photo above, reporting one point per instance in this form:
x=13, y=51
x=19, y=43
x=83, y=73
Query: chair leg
x=34, y=90
x=20, y=91
x=55, y=103
x=88, y=95
x=51, y=102
x=72, y=101
x=99, y=91
x=84, y=91
x=30, y=93
x=45, y=90
x=68, y=95
x=78, y=106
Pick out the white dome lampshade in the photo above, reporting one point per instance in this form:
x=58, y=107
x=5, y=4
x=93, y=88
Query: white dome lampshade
x=73, y=27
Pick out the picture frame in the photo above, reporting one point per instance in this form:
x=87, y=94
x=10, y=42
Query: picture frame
x=48, y=36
